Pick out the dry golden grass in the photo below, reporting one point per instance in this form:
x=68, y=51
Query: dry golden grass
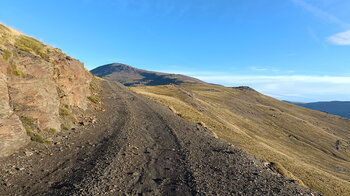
x=300, y=142
x=13, y=41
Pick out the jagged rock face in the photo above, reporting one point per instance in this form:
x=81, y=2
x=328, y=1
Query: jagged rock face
x=35, y=95
x=35, y=81
x=73, y=80
x=12, y=133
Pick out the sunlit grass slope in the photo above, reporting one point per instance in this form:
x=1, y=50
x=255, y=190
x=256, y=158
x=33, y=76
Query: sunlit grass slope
x=311, y=147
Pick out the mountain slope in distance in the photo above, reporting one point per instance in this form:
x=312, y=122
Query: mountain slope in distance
x=340, y=108
x=130, y=76
x=309, y=146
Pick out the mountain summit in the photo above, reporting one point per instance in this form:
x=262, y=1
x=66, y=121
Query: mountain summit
x=130, y=76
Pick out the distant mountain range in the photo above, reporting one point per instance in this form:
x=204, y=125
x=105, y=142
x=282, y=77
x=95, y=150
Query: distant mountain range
x=340, y=108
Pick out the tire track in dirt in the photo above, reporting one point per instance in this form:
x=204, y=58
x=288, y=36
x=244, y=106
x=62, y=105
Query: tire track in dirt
x=147, y=151
x=188, y=175
x=101, y=157
x=163, y=170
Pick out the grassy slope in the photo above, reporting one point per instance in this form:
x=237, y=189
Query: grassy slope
x=299, y=140
x=12, y=41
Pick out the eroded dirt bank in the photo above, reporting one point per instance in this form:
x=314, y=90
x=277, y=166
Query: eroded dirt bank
x=138, y=147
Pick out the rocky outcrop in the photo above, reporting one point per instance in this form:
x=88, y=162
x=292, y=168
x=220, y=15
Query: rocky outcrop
x=12, y=133
x=73, y=82
x=36, y=82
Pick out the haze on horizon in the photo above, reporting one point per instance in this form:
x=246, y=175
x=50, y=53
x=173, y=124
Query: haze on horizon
x=296, y=50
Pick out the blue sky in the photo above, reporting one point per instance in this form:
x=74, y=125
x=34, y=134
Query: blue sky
x=296, y=50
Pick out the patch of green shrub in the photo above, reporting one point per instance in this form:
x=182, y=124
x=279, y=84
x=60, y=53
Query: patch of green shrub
x=38, y=138
x=29, y=131
x=35, y=137
x=28, y=120
x=64, y=127
x=31, y=45
x=14, y=71
x=94, y=86
x=6, y=54
x=56, y=71
x=18, y=73
x=64, y=112
x=29, y=124
x=14, y=54
x=52, y=131
x=93, y=99
x=28, y=44
x=25, y=49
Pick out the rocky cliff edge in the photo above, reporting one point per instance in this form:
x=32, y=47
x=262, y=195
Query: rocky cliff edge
x=40, y=87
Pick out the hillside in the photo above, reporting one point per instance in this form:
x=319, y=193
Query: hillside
x=96, y=137
x=40, y=87
x=340, y=108
x=130, y=76
x=310, y=146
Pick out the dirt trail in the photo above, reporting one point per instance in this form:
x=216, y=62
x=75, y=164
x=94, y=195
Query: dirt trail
x=139, y=147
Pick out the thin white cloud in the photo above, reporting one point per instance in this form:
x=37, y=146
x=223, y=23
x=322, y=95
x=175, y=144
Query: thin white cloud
x=342, y=38
x=321, y=13
x=316, y=38
x=284, y=78
x=258, y=69
x=293, y=88
x=303, y=88
x=270, y=69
